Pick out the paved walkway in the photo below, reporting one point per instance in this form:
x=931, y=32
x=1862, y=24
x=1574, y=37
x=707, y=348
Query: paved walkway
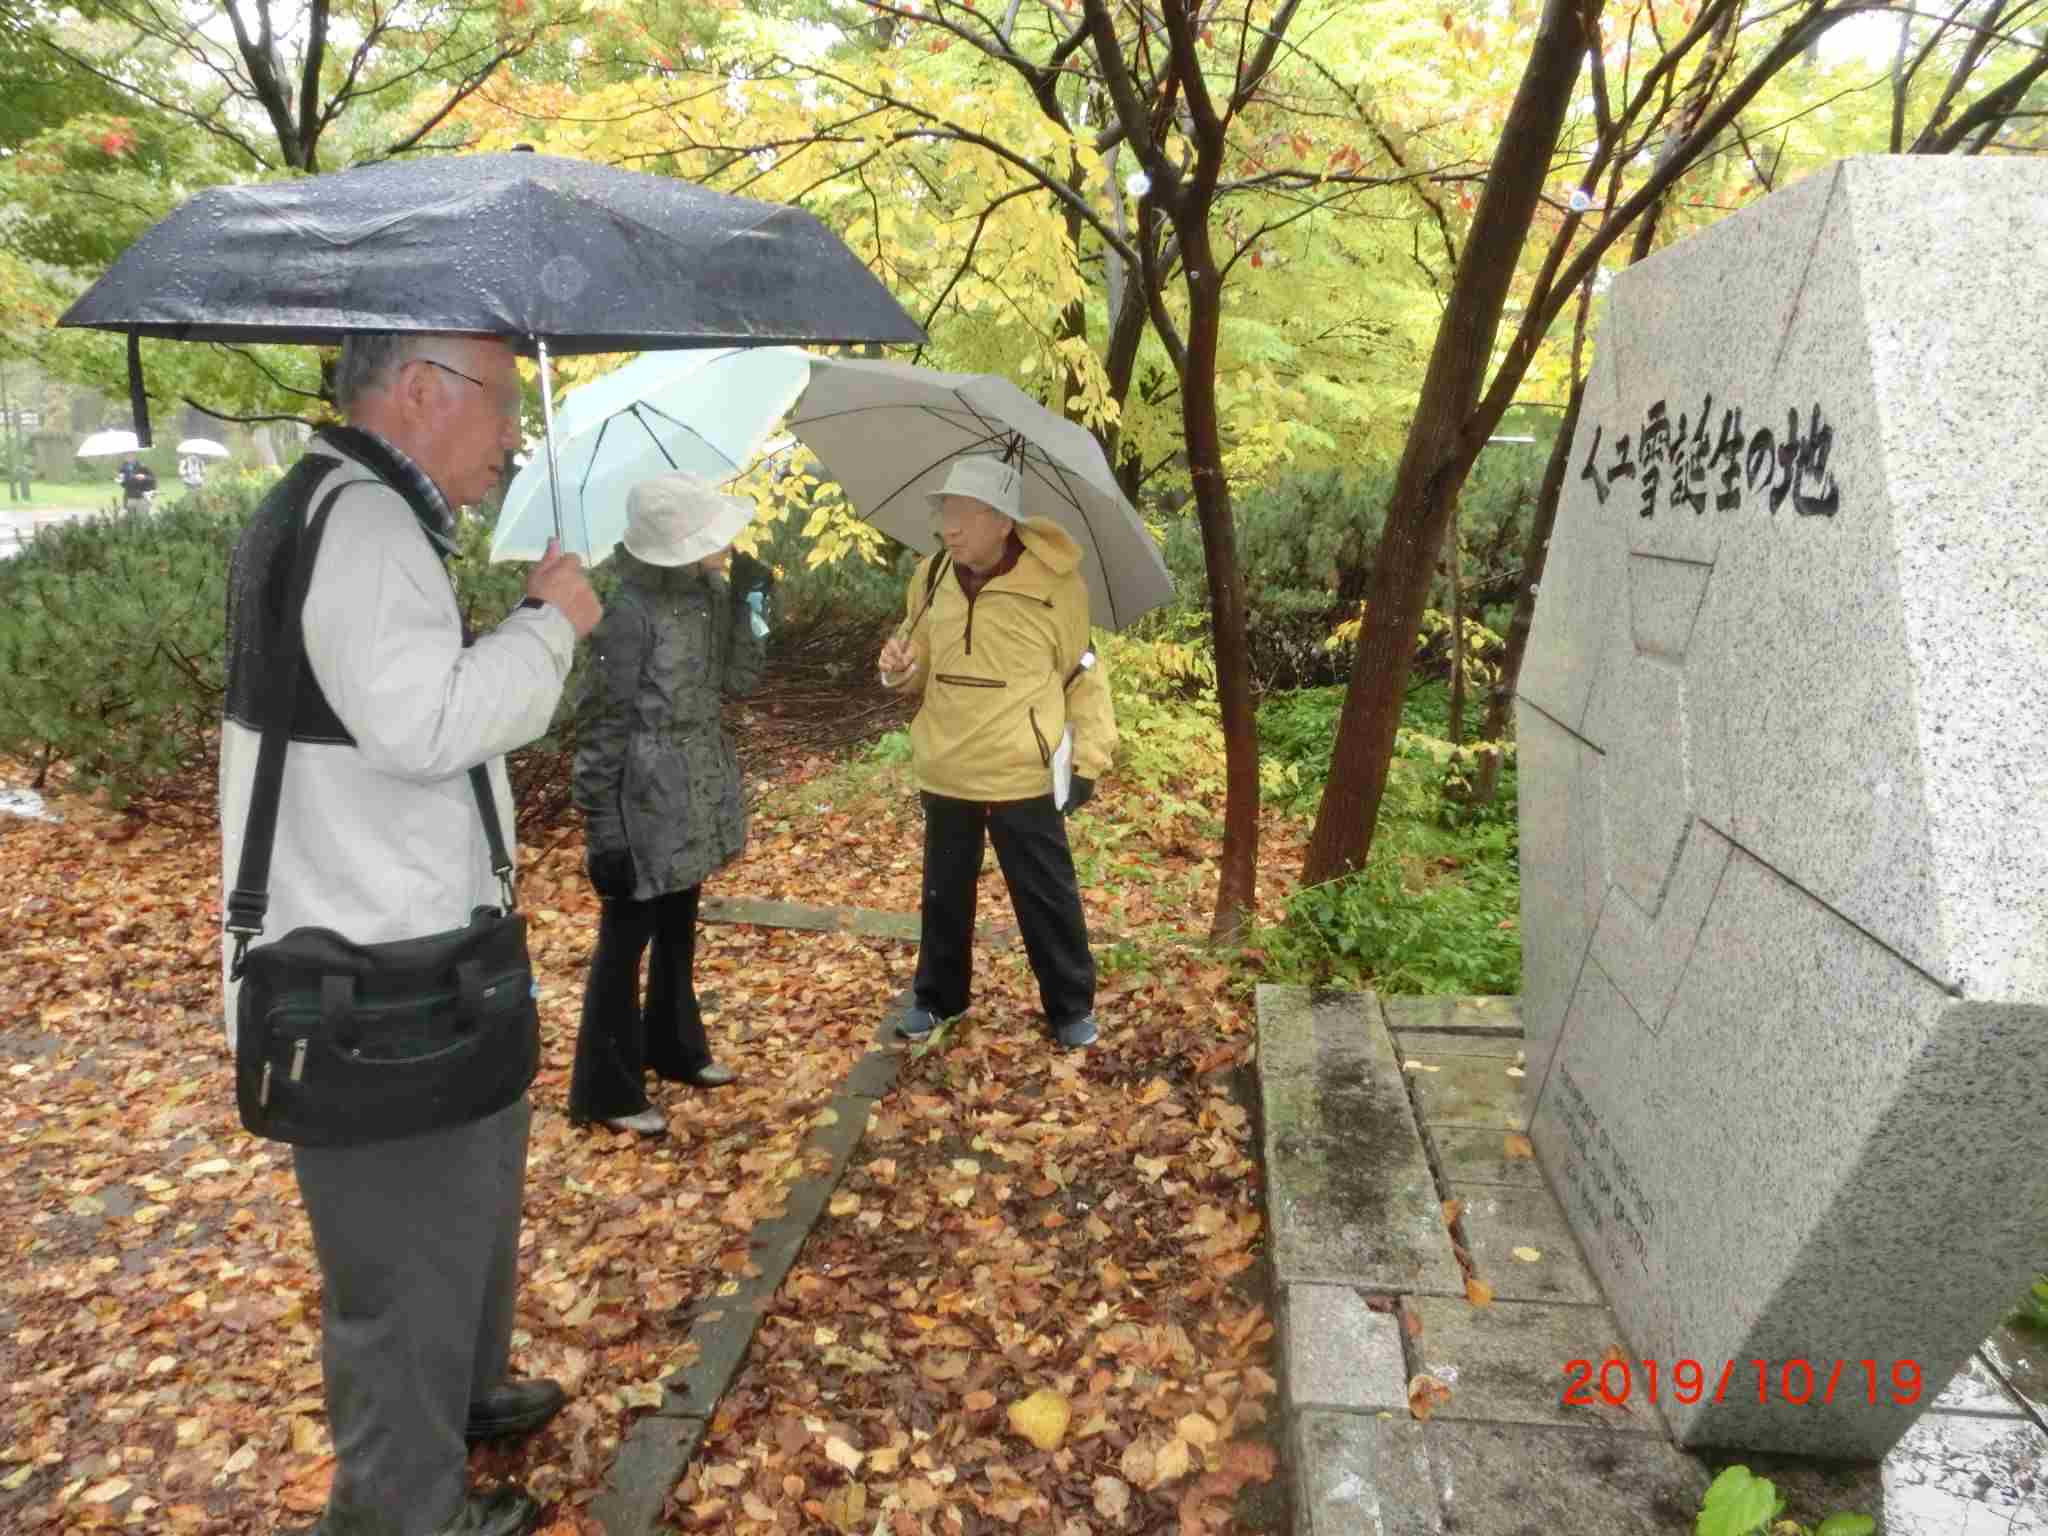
x=19, y=524
x=1378, y=1111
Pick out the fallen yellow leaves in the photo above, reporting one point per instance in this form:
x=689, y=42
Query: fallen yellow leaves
x=1529, y=1255
x=1426, y=1394
x=1042, y=1418
x=1012, y=1221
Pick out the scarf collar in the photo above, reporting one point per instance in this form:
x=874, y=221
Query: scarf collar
x=389, y=463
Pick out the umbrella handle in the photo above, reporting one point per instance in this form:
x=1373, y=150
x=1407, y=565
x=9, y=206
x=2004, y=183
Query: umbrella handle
x=547, y=418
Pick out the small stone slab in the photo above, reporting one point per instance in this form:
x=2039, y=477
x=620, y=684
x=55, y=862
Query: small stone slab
x=1505, y=1363
x=1340, y=1353
x=1466, y=1090
x=1519, y=1480
x=1349, y=1195
x=1951, y=1474
x=868, y=922
x=1440, y=1042
x=773, y=914
x=1467, y=1015
x=1977, y=1389
x=1469, y=1156
x=651, y=1459
x=1361, y=1476
x=1496, y=1221
x=2018, y=1356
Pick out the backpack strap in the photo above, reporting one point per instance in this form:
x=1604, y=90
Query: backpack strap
x=250, y=899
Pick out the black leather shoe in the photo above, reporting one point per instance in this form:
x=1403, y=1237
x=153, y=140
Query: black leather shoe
x=501, y=1512
x=712, y=1075
x=515, y=1408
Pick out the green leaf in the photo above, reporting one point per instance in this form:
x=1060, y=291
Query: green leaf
x=1737, y=1504
x=1846, y=1525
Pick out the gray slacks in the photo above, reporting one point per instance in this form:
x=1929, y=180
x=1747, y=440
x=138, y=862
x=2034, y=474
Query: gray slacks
x=418, y=1243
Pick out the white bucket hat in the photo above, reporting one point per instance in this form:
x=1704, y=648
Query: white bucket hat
x=676, y=519
x=988, y=480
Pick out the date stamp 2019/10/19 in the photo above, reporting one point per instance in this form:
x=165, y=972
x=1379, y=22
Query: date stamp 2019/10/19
x=1615, y=1381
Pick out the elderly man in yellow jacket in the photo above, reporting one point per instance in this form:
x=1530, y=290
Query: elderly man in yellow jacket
x=997, y=640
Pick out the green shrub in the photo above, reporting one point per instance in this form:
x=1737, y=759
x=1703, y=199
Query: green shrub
x=1436, y=909
x=112, y=641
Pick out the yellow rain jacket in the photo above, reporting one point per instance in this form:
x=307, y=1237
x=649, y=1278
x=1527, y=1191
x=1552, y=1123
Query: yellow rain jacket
x=995, y=675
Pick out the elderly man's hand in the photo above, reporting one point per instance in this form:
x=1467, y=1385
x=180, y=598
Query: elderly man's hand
x=558, y=578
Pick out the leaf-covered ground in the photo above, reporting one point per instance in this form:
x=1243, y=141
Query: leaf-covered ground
x=1078, y=1235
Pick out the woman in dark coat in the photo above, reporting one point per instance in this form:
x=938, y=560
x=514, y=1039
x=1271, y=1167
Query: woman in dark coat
x=659, y=786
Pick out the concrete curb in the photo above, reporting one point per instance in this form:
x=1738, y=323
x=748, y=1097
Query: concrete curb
x=658, y=1449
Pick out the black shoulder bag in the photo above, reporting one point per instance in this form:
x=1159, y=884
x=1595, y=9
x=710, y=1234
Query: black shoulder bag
x=340, y=1044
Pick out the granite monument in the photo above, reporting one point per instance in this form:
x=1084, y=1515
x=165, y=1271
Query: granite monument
x=1783, y=728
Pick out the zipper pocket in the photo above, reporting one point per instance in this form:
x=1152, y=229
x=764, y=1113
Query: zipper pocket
x=432, y=1004
x=1044, y=751
x=968, y=682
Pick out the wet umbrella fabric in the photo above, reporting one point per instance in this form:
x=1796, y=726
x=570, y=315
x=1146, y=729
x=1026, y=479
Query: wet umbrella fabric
x=886, y=432
x=107, y=444
x=202, y=448
x=586, y=257
x=703, y=412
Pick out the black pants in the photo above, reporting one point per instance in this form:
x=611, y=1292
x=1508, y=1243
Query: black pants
x=620, y=1039
x=1031, y=846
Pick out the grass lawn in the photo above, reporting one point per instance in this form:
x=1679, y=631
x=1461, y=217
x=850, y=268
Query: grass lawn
x=47, y=495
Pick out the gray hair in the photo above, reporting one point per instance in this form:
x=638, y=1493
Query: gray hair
x=369, y=359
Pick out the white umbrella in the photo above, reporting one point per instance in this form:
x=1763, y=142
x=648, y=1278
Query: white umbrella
x=704, y=412
x=202, y=448
x=105, y=445
x=887, y=432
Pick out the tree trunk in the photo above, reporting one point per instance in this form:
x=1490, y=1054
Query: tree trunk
x=1487, y=783
x=1443, y=441
x=1240, y=858
x=1457, y=575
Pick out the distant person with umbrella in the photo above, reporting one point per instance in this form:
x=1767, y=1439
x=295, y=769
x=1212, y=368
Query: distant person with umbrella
x=378, y=838
x=1014, y=730
x=659, y=786
x=138, y=480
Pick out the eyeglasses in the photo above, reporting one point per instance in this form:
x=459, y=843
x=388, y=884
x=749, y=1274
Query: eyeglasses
x=509, y=409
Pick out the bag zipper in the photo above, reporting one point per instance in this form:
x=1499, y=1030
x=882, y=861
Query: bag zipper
x=300, y=1044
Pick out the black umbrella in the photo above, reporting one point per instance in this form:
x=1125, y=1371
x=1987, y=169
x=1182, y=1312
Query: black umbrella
x=554, y=255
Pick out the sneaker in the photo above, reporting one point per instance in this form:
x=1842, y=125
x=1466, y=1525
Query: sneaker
x=916, y=1023
x=1076, y=1033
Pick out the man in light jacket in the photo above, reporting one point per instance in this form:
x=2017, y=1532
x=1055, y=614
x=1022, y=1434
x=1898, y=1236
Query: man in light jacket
x=378, y=837
x=997, y=639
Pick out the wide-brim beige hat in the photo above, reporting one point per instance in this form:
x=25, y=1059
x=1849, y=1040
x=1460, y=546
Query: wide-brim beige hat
x=988, y=480
x=676, y=519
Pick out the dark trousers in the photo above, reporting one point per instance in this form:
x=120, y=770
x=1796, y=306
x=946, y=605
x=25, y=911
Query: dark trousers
x=620, y=1039
x=418, y=1242
x=1031, y=846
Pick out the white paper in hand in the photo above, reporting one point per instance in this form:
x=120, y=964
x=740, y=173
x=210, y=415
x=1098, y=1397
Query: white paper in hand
x=1063, y=769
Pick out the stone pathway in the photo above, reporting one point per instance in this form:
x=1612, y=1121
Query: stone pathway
x=1376, y=1112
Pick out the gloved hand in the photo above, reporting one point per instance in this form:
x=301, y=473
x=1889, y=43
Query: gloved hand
x=1079, y=790
x=611, y=872
x=748, y=574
